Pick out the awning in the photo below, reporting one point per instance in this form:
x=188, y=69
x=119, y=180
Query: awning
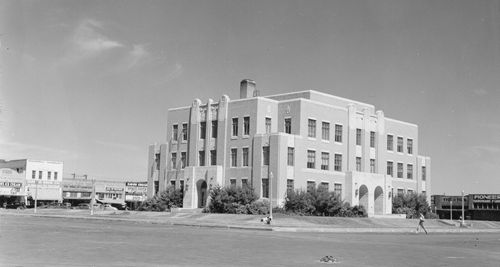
x=111, y=201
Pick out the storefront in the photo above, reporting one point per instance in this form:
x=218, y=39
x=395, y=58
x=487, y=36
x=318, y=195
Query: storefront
x=112, y=193
x=76, y=191
x=12, y=191
x=46, y=192
x=135, y=193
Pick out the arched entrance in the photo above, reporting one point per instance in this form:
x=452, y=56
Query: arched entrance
x=201, y=187
x=363, y=196
x=379, y=200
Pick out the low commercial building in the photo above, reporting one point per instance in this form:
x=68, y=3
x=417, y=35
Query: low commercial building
x=110, y=192
x=42, y=179
x=12, y=187
x=77, y=190
x=135, y=193
x=476, y=206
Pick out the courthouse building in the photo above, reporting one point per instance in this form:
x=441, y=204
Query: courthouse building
x=289, y=141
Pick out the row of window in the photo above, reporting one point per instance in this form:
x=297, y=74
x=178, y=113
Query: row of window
x=325, y=161
x=325, y=130
x=311, y=185
x=40, y=174
x=409, y=170
x=399, y=145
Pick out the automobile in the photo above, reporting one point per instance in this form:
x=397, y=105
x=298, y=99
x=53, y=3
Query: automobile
x=109, y=207
x=83, y=206
x=14, y=205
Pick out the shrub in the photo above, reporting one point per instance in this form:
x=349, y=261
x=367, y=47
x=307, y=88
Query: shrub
x=238, y=200
x=320, y=202
x=165, y=201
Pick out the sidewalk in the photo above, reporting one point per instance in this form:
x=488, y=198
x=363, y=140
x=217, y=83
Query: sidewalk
x=282, y=223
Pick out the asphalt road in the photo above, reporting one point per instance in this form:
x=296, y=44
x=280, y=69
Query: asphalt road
x=39, y=241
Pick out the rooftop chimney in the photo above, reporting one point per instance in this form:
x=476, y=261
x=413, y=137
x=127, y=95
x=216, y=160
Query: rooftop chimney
x=248, y=89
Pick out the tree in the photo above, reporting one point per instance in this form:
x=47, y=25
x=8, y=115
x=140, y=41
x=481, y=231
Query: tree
x=165, y=201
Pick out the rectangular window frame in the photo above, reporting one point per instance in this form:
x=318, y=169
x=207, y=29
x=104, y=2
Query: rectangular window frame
x=325, y=130
x=246, y=125
x=311, y=128
x=288, y=125
x=325, y=161
x=337, y=165
x=311, y=159
x=338, y=132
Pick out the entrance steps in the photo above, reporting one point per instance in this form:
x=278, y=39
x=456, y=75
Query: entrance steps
x=186, y=210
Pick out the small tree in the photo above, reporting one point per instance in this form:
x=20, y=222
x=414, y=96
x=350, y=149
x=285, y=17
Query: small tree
x=410, y=204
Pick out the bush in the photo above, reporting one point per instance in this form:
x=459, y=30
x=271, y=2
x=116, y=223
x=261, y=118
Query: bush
x=411, y=205
x=320, y=202
x=171, y=198
x=237, y=200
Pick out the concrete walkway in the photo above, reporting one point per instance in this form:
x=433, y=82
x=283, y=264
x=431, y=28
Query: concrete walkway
x=281, y=222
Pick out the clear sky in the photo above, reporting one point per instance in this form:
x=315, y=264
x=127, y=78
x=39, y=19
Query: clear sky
x=89, y=82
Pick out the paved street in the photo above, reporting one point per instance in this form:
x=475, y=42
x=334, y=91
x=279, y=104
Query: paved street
x=39, y=241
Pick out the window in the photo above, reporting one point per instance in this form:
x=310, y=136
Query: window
x=40, y=175
x=203, y=129
x=234, y=156
x=337, y=165
x=201, y=155
x=400, y=170
x=324, y=186
x=409, y=171
x=265, y=188
x=265, y=155
x=244, y=182
x=372, y=139
x=372, y=165
x=291, y=154
x=246, y=125
x=268, y=125
x=174, y=160
x=401, y=191
x=311, y=159
x=390, y=168
x=325, y=130
x=358, y=137
x=33, y=174
x=288, y=125
x=338, y=190
x=424, y=193
x=172, y=183
x=55, y=175
x=213, y=157
x=183, y=160
x=311, y=186
x=232, y=182
x=325, y=159
x=358, y=164
x=390, y=142
x=234, y=131
x=245, y=156
x=48, y=175
x=175, y=132
x=409, y=145
x=184, y=131
x=157, y=161
x=338, y=133
x=311, y=128
x=424, y=175
x=214, y=129
x=410, y=192
x=182, y=185
x=289, y=185
x=400, y=144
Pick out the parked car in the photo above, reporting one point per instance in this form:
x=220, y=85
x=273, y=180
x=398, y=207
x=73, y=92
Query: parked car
x=109, y=207
x=83, y=206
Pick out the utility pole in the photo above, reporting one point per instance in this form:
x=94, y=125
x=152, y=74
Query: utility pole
x=92, y=198
x=451, y=214
x=463, y=210
x=270, y=196
x=36, y=194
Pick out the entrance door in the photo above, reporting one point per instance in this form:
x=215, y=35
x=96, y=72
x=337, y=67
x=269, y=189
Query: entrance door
x=379, y=200
x=363, y=196
x=202, y=193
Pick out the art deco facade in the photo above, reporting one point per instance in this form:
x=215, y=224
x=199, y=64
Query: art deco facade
x=289, y=141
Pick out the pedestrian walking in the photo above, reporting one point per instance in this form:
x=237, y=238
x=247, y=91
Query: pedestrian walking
x=421, y=223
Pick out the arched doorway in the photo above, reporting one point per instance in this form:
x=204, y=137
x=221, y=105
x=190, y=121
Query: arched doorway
x=201, y=187
x=363, y=196
x=379, y=200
